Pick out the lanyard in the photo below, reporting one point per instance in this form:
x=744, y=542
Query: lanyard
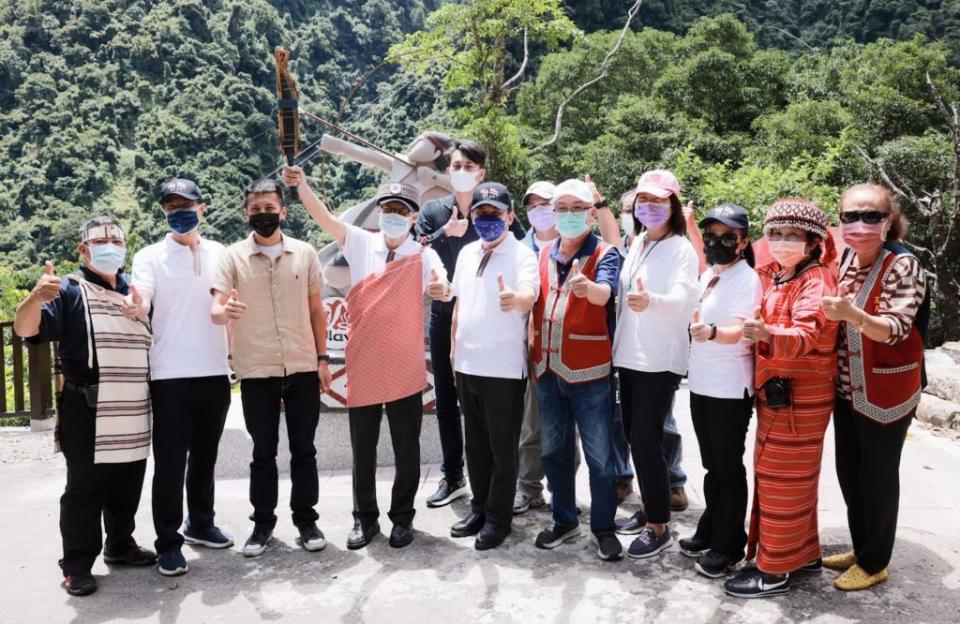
x=634, y=269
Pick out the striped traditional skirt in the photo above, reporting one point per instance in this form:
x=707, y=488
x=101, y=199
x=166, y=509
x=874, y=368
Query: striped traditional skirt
x=783, y=522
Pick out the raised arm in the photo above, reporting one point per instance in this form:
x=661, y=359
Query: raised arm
x=293, y=177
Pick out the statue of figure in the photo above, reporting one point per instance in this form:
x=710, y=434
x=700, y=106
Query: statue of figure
x=424, y=166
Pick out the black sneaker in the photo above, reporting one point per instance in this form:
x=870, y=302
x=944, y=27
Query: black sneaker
x=649, y=544
x=448, y=491
x=211, y=537
x=257, y=542
x=311, y=537
x=80, y=584
x=137, y=557
x=608, y=546
x=715, y=564
x=752, y=583
x=361, y=535
x=556, y=535
x=172, y=563
x=813, y=567
x=693, y=547
x=632, y=525
x=401, y=535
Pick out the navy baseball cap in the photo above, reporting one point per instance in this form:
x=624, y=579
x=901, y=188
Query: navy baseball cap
x=492, y=194
x=731, y=215
x=182, y=187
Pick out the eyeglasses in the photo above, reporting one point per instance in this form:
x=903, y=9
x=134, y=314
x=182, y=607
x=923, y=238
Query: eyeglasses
x=573, y=210
x=729, y=240
x=870, y=217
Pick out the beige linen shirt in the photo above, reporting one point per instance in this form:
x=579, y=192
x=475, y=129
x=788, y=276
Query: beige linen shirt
x=274, y=336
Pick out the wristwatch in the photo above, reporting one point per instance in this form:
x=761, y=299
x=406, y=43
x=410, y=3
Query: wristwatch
x=713, y=331
x=603, y=203
x=325, y=357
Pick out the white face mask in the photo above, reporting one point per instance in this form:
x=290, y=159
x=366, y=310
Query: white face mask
x=626, y=222
x=463, y=181
x=788, y=253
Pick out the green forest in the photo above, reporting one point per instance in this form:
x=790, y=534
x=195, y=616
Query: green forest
x=745, y=100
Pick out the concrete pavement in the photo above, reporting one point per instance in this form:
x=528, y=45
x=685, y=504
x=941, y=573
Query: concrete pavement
x=440, y=579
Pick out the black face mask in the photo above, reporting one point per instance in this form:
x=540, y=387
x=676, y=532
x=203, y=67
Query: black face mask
x=717, y=253
x=265, y=223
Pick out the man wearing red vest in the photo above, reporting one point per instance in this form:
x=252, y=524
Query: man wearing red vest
x=572, y=340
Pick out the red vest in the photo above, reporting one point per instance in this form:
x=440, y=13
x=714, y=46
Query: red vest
x=885, y=379
x=570, y=334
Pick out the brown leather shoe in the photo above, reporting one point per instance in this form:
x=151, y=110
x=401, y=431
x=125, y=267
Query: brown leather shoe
x=678, y=499
x=624, y=489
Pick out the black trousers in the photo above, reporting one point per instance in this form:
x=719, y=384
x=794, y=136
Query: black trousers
x=405, y=416
x=868, y=468
x=647, y=400
x=448, y=413
x=721, y=427
x=110, y=491
x=492, y=417
x=261, y=413
x=188, y=417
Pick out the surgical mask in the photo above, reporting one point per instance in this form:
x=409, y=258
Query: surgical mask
x=463, y=181
x=788, y=253
x=488, y=227
x=626, y=222
x=183, y=221
x=864, y=236
x=542, y=217
x=652, y=215
x=394, y=225
x=265, y=223
x=108, y=258
x=572, y=224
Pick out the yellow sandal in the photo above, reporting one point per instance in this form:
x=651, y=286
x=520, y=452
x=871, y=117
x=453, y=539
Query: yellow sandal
x=856, y=579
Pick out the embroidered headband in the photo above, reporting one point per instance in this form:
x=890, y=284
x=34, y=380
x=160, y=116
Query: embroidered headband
x=102, y=231
x=798, y=213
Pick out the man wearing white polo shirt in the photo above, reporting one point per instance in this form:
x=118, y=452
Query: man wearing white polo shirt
x=496, y=283
x=189, y=387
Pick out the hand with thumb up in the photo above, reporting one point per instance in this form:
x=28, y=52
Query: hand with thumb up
x=638, y=300
x=508, y=296
x=577, y=282
x=234, y=307
x=132, y=305
x=699, y=331
x=755, y=330
x=48, y=286
x=842, y=307
x=438, y=286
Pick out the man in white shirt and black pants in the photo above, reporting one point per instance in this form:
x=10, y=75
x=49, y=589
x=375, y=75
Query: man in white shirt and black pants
x=189, y=372
x=496, y=283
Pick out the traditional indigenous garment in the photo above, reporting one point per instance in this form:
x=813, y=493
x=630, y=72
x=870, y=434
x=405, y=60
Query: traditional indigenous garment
x=384, y=354
x=123, y=395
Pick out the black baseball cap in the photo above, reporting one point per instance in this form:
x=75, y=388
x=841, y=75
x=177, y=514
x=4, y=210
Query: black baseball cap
x=182, y=187
x=492, y=194
x=731, y=215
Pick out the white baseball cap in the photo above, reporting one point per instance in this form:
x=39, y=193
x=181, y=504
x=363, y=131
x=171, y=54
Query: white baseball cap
x=574, y=188
x=540, y=189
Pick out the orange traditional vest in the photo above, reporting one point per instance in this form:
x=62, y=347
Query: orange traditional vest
x=885, y=380
x=570, y=334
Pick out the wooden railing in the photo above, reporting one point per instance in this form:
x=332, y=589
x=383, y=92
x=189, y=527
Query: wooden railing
x=35, y=381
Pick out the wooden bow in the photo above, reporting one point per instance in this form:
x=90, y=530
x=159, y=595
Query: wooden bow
x=288, y=110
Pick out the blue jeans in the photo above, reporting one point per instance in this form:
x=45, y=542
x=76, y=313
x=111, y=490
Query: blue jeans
x=448, y=411
x=585, y=406
x=673, y=451
x=621, y=447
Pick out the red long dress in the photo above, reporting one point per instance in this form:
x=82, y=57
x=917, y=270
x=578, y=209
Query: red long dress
x=803, y=348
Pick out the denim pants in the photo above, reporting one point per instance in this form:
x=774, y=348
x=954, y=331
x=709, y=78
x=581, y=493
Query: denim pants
x=564, y=408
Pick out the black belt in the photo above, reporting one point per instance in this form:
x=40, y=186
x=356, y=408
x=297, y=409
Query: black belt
x=90, y=393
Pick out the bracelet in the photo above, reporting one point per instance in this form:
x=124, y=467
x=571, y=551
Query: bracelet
x=603, y=203
x=323, y=358
x=865, y=318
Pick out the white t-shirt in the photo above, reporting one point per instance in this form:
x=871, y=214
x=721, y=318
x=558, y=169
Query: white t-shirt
x=271, y=251
x=724, y=371
x=366, y=252
x=657, y=339
x=545, y=244
x=489, y=342
x=186, y=342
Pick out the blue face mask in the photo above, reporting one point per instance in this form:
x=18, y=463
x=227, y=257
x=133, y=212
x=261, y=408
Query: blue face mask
x=183, y=221
x=572, y=224
x=488, y=227
x=394, y=225
x=108, y=258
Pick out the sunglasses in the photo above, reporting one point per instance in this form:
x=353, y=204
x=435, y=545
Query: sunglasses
x=728, y=240
x=870, y=217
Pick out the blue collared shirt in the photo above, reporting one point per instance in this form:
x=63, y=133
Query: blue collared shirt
x=608, y=271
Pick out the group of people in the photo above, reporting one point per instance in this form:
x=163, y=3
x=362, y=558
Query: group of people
x=573, y=334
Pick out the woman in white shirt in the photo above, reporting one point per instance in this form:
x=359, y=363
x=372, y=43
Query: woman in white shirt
x=658, y=293
x=721, y=387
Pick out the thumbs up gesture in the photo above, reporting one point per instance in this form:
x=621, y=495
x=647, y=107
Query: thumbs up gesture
x=577, y=282
x=437, y=288
x=48, y=286
x=132, y=305
x=842, y=307
x=508, y=296
x=234, y=307
x=755, y=330
x=699, y=331
x=456, y=227
x=638, y=300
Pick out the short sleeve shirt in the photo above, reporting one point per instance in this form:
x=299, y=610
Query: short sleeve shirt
x=366, y=253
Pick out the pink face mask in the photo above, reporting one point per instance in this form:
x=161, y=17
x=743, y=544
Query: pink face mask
x=788, y=253
x=651, y=215
x=864, y=236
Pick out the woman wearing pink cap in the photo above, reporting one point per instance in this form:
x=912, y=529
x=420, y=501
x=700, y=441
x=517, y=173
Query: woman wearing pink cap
x=658, y=286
